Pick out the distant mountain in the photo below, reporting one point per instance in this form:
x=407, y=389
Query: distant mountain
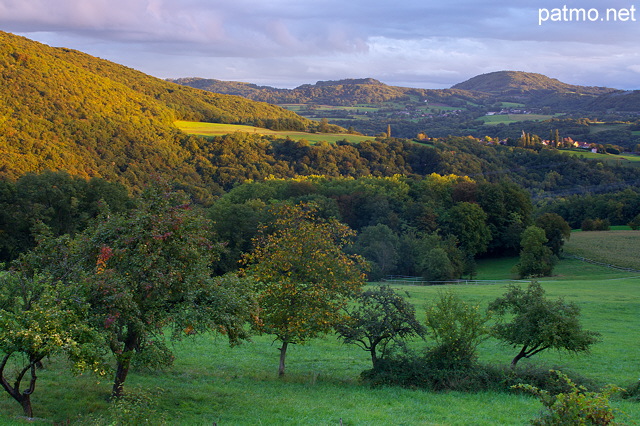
x=332, y=92
x=518, y=82
x=534, y=90
x=65, y=110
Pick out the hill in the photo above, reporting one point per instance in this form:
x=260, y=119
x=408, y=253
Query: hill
x=518, y=82
x=65, y=110
x=332, y=92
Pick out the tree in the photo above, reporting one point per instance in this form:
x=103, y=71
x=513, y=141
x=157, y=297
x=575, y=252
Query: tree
x=39, y=318
x=145, y=271
x=379, y=245
x=635, y=222
x=457, y=327
x=536, y=259
x=537, y=323
x=303, y=276
x=556, y=230
x=380, y=316
x=468, y=222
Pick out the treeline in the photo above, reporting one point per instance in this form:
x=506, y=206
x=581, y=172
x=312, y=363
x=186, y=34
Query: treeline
x=433, y=227
x=62, y=203
x=617, y=208
x=230, y=160
x=573, y=188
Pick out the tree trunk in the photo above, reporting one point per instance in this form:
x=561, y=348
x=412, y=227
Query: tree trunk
x=374, y=356
x=521, y=354
x=124, y=361
x=23, y=398
x=283, y=356
x=25, y=401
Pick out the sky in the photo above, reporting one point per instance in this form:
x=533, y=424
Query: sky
x=285, y=43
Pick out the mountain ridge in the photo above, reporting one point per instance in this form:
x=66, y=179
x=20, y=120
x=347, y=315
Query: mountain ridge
x=509, y=86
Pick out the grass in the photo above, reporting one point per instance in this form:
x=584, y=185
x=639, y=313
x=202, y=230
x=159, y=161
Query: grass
x=618, y=248
x=627, y=159
x=513, y=118
x=217, y=129
x=211, y=382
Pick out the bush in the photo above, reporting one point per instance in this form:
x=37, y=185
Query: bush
x=595, y=225
x=430, y=371
x=576, y=407
x=632, y=392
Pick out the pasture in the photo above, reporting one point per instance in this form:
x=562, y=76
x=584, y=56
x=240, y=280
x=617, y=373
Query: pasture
x=217, y=129
x=626, y=159
x=618, y=248
x=512, y=118
x=211, y=382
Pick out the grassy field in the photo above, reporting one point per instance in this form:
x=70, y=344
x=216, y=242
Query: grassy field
x=211, y=382
x=513, y=118
x=618, y=248
x=630, y=160
x=216, y=129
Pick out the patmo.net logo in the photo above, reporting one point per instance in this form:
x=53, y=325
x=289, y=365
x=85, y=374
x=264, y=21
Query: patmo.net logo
x=568, y=14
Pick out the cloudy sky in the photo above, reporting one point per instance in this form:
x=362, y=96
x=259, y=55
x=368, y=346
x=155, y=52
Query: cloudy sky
x=285, y=43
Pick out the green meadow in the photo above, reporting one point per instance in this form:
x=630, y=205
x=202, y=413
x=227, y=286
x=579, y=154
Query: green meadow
x=216, y=129
x=628, y=159
x=513, y=118
x=212, y=382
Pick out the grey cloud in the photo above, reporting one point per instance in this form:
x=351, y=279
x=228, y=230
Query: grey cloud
x=285, y=42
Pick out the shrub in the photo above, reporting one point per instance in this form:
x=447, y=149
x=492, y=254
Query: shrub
x=595, y=225
x=576, y=407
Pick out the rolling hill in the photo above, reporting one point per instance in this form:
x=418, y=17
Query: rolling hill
x=332, y=92
x=65, y=110
x=518, y=82
x=534, y=90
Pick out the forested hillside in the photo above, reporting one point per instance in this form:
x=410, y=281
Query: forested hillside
x=65, y=110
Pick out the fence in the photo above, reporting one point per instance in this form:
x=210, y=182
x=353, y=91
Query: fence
x=400, y=279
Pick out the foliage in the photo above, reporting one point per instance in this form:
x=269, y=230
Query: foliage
x=64, y=203
x=538, y=324
x=303, y=276
x=556, y=230
x=635, y=222
x=595, y=224
x=379, y=245
x=380, y=316
x=137, y=407
x=467, y=221
x=39, y=318
x=457, y=328
x=144, y=271
x=536, y=259
x=577, y=407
